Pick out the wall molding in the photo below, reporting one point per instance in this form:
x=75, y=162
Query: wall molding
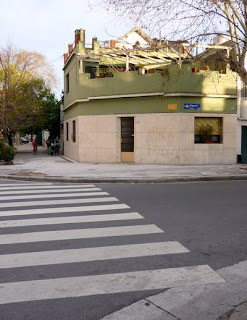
x=152, y=94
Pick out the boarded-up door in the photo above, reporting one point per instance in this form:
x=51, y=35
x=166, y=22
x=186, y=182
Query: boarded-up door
x=244, y=144
x=127, y=139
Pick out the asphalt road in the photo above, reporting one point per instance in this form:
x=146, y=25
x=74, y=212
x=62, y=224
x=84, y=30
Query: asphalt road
x=207, y=219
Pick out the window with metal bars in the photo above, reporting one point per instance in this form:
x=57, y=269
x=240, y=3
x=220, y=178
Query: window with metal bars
x=74, y=132
x=208, y=129
x=67, y=83
x=67, y=131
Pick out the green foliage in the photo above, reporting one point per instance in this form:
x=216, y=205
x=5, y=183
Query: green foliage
x=24, y=86
x=7, y=153
x=45, y=113
x=205, y=132
x=51, y=114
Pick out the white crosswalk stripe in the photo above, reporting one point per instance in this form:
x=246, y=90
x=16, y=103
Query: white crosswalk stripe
x=71, y=219
x=54, y=195
x=10, y=185
x=87, y=200
x=78, y=234
x=90, y=254
x=31, y=212
x=33, y=187
x=69, y=190
x=55, y=202
x=106, y=283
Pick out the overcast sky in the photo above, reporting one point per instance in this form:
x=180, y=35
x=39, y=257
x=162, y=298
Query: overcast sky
x=48, y=26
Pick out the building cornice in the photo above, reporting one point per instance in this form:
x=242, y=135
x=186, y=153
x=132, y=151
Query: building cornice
x=176, y=94
x=74, y=102
x=152, y=94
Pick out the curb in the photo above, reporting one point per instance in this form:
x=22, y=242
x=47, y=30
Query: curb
x=209, y=301
x=127, y=180
x=239, y=313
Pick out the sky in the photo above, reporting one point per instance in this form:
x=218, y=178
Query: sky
x=47, y=26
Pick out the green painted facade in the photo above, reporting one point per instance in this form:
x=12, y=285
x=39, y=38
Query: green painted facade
x=173, y=79
x=150, y=105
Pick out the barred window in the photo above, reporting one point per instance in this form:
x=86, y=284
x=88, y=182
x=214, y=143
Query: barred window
x=67, y=131
x=67, y=83
x=74, y=131
x=208, y=130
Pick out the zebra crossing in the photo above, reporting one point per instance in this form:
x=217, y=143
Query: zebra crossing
x=79, y=214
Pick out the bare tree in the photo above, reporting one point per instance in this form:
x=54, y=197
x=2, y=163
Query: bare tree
x=23, y=75
x=195, y=21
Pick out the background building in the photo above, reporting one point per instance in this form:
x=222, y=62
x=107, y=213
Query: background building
x=146, y=101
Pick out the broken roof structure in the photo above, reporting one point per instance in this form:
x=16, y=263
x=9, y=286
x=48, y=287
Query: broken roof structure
x=134, y=49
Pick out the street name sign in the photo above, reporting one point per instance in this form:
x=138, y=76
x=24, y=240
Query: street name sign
x=192, y=105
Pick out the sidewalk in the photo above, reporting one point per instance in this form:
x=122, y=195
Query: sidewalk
x=218, y=301
x=43, y=167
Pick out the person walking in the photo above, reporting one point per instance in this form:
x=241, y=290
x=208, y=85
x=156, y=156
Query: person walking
x=56, y=146
x=48, y=144
x=35, y=146
x=52, y=149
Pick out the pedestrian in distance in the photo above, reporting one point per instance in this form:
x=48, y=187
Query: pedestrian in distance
x=48, y=144
x=52, y=149
x=56, y=146
x=35, y=146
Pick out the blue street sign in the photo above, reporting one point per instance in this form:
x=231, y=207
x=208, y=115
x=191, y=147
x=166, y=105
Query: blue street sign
x=192, y=105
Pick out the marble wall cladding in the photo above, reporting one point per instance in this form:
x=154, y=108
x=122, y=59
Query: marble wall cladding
x=106, y=155
x=71, y=149
x=145, y=140
x=88, y=139
x=230, y=124
x=159, y=139
x=145, y=156
x=229, y=156
x=88, y=154
x=99, y=139
x=168, y=156
x=145, y=124
x=201, y=157
x=187, y=157
x=106, y=140
x=229, y=139
x=168, y=124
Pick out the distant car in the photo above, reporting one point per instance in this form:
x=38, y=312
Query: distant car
x=24, y=140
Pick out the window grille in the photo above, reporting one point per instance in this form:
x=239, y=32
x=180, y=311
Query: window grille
x=67, y=131
x=74, y=131
x=208, y=130
x=67, y=83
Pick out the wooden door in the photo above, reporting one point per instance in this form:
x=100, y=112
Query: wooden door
x=127, y=139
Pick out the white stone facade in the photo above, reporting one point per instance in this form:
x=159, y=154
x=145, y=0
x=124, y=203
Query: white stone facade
x=159, y=138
